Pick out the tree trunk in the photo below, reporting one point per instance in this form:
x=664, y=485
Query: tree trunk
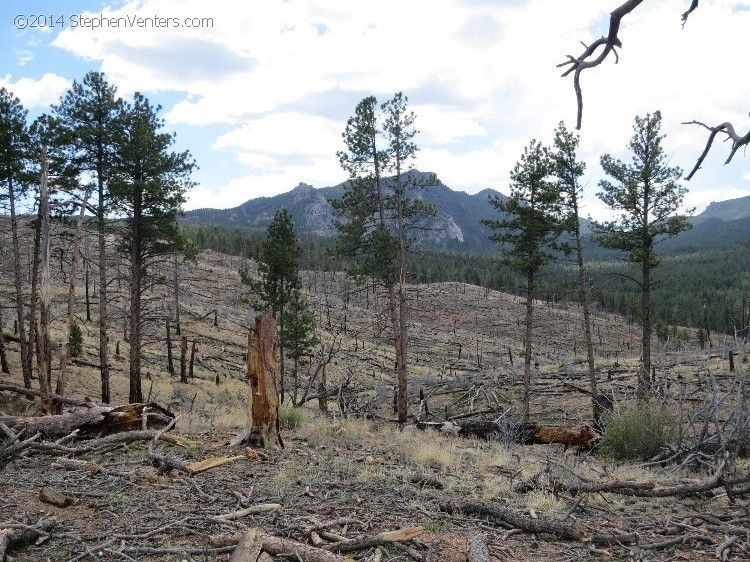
x=136, y=258
x=176, y=286
x=86, y=260
x=34, y=341
x=527, y=353
x=64, y=351
x=3, y=356
x=170, y=362
x=262, y=428
x=322, y=396
x=20, y=321
x=192, y=360
x=644, y=375
x=183, y=360
x=44, y=360
x=584, y=296
x=103, y=352
x=282, y=387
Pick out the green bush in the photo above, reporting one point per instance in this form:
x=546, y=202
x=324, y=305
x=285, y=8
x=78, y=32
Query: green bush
x=290, y=417
x=75, y=341
x=638, y=433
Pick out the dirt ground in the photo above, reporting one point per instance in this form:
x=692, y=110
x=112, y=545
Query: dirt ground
x=351, y=478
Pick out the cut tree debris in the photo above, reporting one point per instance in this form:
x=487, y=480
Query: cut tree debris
x=528, y=434
x=95, y=421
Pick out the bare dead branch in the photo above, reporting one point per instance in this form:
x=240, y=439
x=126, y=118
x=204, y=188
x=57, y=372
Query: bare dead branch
x=586, y=59
x=693, y=6
x=726, y=128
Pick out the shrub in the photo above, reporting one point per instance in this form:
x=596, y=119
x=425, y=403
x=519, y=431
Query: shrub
x=638, y=433
x=290, y=417
x=75, y=340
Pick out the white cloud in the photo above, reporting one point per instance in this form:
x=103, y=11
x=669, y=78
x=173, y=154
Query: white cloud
x=36, y=93
x=482, y=77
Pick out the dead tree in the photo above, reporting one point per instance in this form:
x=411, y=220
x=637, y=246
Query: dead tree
x=262, y=427
x=183, y=360
x=598, y=51
x=64, y=351
x=43, y=340
x=170, y=361
x=3, y=356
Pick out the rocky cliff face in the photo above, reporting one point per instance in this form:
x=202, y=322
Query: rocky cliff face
x=456, y=225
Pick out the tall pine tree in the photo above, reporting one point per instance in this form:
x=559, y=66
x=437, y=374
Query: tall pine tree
x=528, y=230
x=647, y=196
x=90, y=112
x=377, y=211
x=16, y=178
x=148, y=188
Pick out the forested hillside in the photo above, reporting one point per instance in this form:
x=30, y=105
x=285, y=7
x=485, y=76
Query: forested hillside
x=705, y=272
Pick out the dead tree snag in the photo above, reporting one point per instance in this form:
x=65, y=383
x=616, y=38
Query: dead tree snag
x=262, y=427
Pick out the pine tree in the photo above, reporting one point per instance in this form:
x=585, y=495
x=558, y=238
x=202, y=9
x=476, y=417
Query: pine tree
x=90, y=113
x=298, y=335
x=647, y=197
x=376, y=215
x=279, y=289
x=15, y=177
x=568, y=170
x=148, y=188
x=528, y=231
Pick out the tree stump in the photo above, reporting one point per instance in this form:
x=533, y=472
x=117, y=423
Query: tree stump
x=262, y=427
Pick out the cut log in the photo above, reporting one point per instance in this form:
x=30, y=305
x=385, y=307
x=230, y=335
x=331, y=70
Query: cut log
x=572, y=436
x=249, y=548
x=478, y=548
x=96, y=421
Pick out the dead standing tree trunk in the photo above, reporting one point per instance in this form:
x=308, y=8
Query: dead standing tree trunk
x=42, y=333
x=262, y=427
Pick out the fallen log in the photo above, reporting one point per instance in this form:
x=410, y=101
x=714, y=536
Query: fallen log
x=477, y=551
x=19, y=534
x=95, y=421
x=33, y=393
x=537, y=525
x=353, y=545
x=572, y=436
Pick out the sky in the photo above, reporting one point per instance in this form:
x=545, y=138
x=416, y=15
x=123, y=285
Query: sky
x=260, y=92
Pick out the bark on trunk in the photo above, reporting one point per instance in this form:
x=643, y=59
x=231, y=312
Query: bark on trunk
x=103, y=319
x=644, y=375
x=584, y=297
x=136, y=257
x=20, y=320
x=322, y=395
x=170, y=361
x=262, y=427
x=64, y=349
x=527, y=352
x=192, y=360
x=176, y=286
x=34, y=297
x=44, y=359
x=183, y=360
x=3, y=355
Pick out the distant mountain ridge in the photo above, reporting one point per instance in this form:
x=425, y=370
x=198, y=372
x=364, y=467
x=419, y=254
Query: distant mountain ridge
x=457, y=225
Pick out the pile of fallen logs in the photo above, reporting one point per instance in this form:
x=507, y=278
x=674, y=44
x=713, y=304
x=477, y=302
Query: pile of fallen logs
x=530, y=433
